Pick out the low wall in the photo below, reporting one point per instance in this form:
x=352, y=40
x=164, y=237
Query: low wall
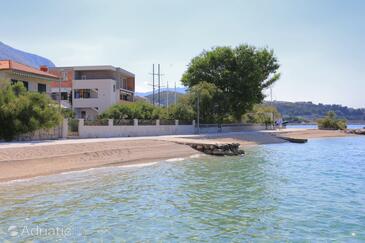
x=46, y=134
x=214, y=128
x=134, y=130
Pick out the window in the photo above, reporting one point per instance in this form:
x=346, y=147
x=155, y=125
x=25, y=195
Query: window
x=83, y=77
x=113, y=87
x=124, y=96
x=42, y=88
x=55, y=95
x=85, y=93
x=64, y=96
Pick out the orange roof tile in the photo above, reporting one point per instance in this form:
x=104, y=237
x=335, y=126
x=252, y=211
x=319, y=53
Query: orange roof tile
x=11, y=65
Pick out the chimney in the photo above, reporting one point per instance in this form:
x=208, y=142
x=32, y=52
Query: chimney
x=44, y=68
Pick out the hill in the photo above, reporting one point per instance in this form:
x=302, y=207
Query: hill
x=33, y=60
x=181, y=90
x=165, y=95
x=310, y=111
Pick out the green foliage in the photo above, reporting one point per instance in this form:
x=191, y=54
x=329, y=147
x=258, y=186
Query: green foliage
x=296, y=119
x=331, y=122
x=23, y=112
x=208, y=95
x=182, y=112
x=146, y=111
x=311, y=111
x=261, y=114
x=68, y=113
x=135, y=110
x=239, y=74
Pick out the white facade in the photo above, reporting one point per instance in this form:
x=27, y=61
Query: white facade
x=96, y=88
x=107, y=95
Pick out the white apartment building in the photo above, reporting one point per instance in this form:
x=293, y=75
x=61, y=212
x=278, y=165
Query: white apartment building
x=93, y=89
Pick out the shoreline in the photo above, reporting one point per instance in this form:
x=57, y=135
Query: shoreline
x=28, y=160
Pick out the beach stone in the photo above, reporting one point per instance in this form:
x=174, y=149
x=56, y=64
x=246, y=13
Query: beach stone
x=356, y=131
x=240, y=151
x=199, y=147
x=230, y=149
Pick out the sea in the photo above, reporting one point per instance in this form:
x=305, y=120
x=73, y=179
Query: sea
x=278, y=192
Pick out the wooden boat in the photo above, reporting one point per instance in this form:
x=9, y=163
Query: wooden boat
x=294, y=140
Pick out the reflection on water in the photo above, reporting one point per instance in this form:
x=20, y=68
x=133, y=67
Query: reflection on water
x=313, y=126
x=277, y=192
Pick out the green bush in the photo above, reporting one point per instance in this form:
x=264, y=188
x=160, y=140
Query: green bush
x=331, y=122
x=136, y=110
x=68, y=113
x=23, y=112
x=261, y=114
x=146, y=111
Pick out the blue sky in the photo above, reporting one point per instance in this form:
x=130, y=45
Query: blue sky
x=320, y=44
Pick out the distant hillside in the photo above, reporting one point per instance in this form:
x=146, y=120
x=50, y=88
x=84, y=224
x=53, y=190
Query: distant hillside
x=310, y=111
x=164, y=95
x=8, y=52
x=178, y=90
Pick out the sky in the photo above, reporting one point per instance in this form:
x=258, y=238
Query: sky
x=320, y=44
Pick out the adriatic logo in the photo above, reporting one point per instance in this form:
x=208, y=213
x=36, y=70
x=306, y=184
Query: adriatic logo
x=13, y=230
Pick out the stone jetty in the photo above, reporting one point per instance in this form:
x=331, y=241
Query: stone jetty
x=229, y=149
x=356, y=131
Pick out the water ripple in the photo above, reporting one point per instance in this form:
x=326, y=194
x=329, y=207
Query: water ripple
x=280, y=192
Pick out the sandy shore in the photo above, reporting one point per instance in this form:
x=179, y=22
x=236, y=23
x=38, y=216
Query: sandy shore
x=257, y=138
x=32, y=161
x=312, y=133
x=25, y=160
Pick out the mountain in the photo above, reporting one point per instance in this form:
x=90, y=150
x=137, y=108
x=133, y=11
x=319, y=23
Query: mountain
x=311, y=111
x=178, y=90
x=8, y=52
x=170, y=95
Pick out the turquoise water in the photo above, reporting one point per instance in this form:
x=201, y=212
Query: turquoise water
x=350, y=126
x=292, y=192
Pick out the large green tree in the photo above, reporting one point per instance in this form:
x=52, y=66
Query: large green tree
x=23, y=112
x=240, y=75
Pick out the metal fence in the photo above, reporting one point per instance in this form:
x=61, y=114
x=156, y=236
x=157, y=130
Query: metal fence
x=98, y=122
x=123, y=122
x=185, y=122
x=73, y=128
x=146, y=122
x=167, y=122
x=42, y=134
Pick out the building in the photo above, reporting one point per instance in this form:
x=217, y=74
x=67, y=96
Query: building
x=32, y=78
x=90, y=90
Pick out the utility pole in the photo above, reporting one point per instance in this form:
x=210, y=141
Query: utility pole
x=153, y=84
x=198, y=113
x=59, y=91
x=271, y=94
x=59, y=99
x=272, y=113
x=175, y=93
x=159, y=86
x=167, y=95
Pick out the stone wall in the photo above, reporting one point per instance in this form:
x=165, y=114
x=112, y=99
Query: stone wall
x=59, y=132
x=134, y=130
x=214, y=128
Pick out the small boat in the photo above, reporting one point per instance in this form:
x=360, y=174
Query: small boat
x=294, y=140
